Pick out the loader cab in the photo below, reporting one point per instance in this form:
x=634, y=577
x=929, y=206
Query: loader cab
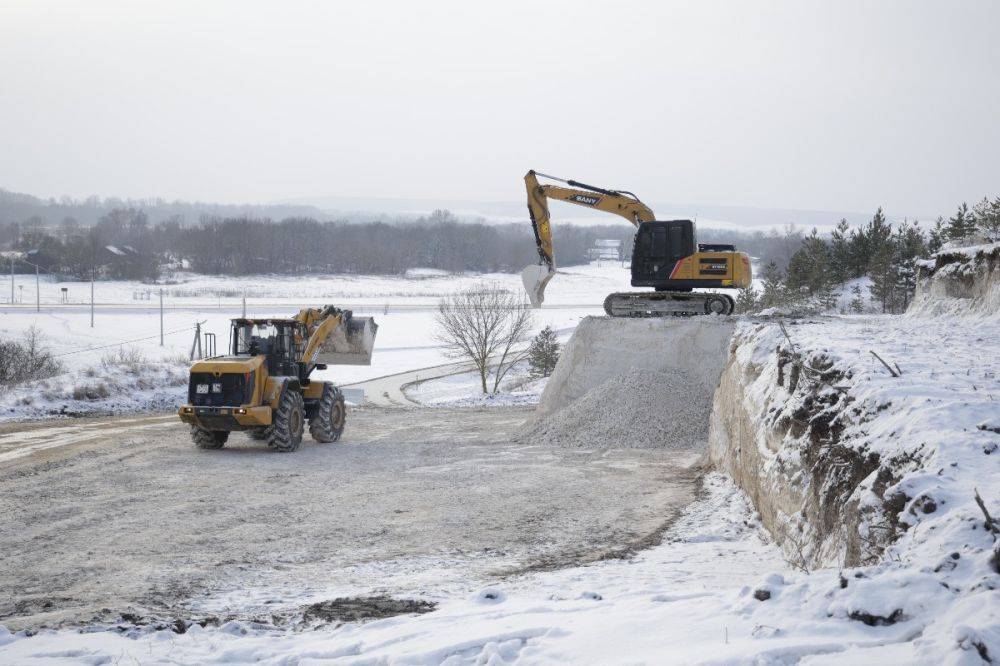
x=280, y=341
x=657, y=248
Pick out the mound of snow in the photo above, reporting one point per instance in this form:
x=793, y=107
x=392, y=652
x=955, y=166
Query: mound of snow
x=639, y=409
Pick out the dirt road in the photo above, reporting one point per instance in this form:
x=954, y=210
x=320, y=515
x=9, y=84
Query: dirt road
x=101, y=517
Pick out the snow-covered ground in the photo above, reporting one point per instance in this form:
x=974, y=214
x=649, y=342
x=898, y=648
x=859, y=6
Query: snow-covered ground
x=464, y=389
x=930, y=434
x=402, y=306
x=716, y=590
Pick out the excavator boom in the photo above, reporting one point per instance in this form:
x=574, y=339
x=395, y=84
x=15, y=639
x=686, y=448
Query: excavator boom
x=536, y=276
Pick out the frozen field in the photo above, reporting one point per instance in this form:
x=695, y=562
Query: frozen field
x=402, y=306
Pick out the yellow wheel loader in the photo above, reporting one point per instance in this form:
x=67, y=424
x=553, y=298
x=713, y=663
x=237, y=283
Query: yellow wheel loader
x=263, y=385
x=666, y=255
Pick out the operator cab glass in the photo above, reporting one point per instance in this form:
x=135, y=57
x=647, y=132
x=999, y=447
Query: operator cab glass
x=280, y=341
x=658, y=247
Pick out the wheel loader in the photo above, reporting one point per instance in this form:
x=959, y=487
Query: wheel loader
x=263, y=385
x=666, y=255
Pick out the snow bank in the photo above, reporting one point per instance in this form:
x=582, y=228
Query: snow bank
x=641, y=409
x=850, y=466
x=959, y=281
x=108, y=388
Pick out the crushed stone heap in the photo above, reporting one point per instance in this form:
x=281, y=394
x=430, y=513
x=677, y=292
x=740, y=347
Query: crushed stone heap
x=640, y=409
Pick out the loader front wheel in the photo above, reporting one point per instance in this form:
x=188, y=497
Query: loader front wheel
x=285, y=433
x=328, y=423
x=209, y=439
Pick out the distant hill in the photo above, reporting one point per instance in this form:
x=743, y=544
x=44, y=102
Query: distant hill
x=709, y=216
x=16, y=207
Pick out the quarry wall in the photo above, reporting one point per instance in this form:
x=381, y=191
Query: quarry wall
x=960, y=281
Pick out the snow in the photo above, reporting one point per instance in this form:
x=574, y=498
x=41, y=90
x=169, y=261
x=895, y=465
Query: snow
x=931, y=598
x=929, y=430
x=691, y=600
x=127, y=316
x=464, y=389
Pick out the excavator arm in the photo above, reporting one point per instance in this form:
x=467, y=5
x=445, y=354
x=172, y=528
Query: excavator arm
x=625, y=204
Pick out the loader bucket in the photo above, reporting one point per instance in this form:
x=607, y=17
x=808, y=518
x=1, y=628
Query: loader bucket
x=535, y=277
x=351, y=343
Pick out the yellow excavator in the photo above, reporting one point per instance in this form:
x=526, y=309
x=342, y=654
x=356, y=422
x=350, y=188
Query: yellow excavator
x=665, y=256
x=263, y=385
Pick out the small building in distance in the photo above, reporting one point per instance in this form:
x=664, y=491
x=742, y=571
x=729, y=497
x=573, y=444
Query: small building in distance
x=606, y=249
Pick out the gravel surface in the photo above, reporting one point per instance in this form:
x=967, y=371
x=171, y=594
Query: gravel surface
x=639, y=409
x=127, y=515
x=604, y=347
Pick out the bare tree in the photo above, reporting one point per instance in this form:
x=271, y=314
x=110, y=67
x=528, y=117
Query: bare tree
x=486, y=324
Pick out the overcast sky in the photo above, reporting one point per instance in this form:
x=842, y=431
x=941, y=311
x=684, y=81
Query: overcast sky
x=816, y=105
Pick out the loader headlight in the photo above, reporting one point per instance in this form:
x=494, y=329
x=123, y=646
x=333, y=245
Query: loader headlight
x=240, y=411
x=187, y=410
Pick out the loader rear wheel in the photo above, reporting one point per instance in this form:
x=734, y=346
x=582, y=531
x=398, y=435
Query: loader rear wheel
x=328, y=423
x=209, y=439
x=258, y=433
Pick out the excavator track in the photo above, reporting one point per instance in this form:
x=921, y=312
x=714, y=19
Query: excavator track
x=667, y=304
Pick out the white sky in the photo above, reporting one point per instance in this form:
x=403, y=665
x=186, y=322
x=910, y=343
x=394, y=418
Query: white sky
x=819, y=105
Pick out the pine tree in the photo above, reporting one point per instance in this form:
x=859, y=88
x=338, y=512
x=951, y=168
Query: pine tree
x=857, y=304
x=879, y=235
x=960, y=224
x=809, y=268
x=747, y=300
x=775, y=293
x=881, y=270
x=840, y=253
x=938, y=235
x=543, y=354
x=986, y=217
x=910, y=241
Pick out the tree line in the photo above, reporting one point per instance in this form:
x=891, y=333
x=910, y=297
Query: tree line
x=884, y=253
x=124, y=245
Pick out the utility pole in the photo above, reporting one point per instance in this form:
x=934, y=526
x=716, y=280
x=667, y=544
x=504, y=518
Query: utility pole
x=161, y=316
x=38, y=292
x=92, y=271
x=12, y=279
x=244, y=303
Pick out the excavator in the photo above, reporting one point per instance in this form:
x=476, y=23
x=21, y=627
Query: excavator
x=665, y=256
x=263, y=385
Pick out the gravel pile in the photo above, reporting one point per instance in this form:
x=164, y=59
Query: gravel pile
x=639, y=409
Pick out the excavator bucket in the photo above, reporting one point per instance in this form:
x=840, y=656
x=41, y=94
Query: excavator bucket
x=535, y=277
x=351, y=343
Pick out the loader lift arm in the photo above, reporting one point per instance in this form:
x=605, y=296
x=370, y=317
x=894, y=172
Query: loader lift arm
x=617, y=202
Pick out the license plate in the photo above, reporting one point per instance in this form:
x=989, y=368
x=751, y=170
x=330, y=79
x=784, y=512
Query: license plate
x=201, y=388
x=216, y=388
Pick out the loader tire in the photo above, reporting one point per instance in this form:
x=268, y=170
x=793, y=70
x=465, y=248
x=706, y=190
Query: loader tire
x=328, y=423
x=258, y=433
x=209, y=439
x=285, y=433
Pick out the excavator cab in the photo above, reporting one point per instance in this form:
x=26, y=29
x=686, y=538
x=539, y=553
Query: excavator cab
x=657, y=248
